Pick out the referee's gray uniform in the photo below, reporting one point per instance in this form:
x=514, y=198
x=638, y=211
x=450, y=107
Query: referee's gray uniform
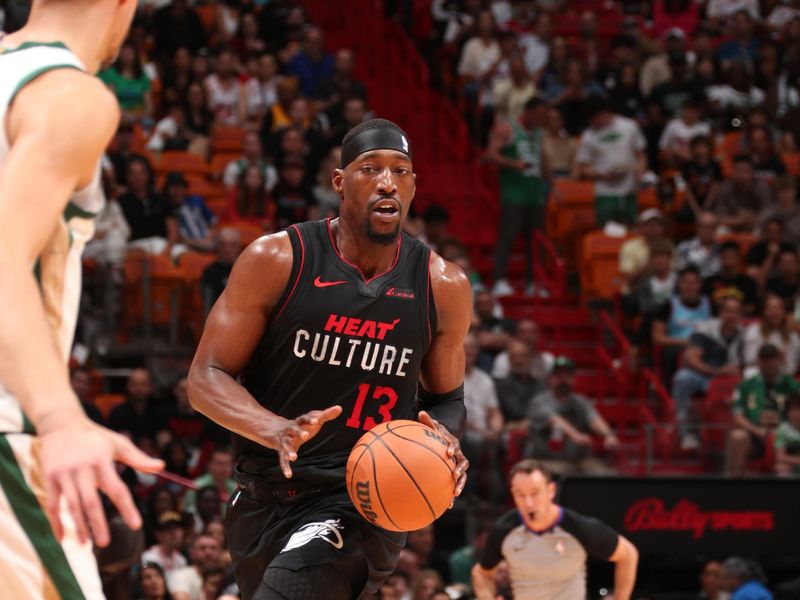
x=548, y=565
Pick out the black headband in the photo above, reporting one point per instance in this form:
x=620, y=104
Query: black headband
x=382, y=138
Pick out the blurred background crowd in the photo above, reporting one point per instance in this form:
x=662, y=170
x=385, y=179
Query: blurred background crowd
x=624, y=203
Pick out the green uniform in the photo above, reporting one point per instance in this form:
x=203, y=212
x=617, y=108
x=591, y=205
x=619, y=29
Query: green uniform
x=523, y=188
x=754, y=396
x=788, y=438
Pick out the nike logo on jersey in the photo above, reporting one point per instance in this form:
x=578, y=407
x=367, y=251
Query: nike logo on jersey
x=328, y=531
x=322, y=284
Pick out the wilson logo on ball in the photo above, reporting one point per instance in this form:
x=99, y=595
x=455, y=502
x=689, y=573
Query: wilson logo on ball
x=435, y=436
x=362, y=493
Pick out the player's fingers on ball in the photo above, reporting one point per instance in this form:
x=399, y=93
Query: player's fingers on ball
x=462, y=481
x=70, y=493
x=113, y=487
x=92, y=506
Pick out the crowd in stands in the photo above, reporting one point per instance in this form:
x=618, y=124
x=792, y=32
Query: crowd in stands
x=696, y=101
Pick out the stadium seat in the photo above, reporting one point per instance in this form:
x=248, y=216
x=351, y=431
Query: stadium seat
x=184, y=162
x=106, y=403
x=599, y=268
x=192, y=265
x=792, y=162
x=716, y=410
x=227, y=139
x=220, y=160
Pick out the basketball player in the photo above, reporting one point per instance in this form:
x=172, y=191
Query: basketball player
x=56, y=119
x=546, y=545
x=330, y=326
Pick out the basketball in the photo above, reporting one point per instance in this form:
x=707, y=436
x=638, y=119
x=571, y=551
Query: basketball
x=399, y=476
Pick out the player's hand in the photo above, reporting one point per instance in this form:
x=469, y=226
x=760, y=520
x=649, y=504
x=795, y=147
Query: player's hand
x=77, y=459
x=453, y=449
x=293, y=433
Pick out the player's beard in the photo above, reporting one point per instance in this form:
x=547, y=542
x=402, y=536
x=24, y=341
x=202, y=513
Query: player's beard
x=384, y=239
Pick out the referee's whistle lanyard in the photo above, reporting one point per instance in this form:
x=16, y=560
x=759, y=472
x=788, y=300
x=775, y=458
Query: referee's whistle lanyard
x=555, y=524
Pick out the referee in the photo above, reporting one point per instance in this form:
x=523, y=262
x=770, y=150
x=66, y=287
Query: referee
x=546, y=545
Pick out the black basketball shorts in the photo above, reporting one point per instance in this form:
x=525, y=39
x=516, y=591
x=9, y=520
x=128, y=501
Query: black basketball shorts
x=321, y=529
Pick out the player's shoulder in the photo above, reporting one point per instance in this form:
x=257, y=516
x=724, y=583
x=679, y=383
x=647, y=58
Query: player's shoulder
x=273, y=251
x=70, y=101
x=446, y=276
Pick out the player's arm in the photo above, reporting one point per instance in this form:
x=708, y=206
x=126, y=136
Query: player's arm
x=441, y=396
x=58, y=127
x=234, y=327
x=625, y=559
x=483, y=585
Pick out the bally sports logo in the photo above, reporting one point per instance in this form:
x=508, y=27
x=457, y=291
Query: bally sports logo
x=651, y=514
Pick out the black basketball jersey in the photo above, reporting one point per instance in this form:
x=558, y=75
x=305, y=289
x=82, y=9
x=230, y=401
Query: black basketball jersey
x=338, y=338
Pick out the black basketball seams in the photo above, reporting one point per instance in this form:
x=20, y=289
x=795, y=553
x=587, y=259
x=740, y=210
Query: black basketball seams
x=394, y=431
x=378, y=489
x=410, y=476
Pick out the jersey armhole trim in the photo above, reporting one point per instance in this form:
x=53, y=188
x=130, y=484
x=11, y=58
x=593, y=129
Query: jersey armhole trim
x=299, y=273
x=429, y=299
x=37, y=73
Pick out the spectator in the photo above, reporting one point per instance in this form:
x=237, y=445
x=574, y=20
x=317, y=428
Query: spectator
x=462, y=560
x=634, y=255
x=247, y=44
x=484, y=419
x=252, y=155
x=714, y=349
x=341, y=85
x=738, y=200
x=259, y=93
x=573, y=96
x=702, y=250
x=787, y=440
x=176, y=76
x=152, y=224
x=680, y=14
x=198, y=117
x=558, y=146
x=711, y=582
x=219, y=475
x=312, y=65
x=173, y=133
x=737, y=94
x=611, y=152
x=422, y=543
x=354, y=111
x=196, y=222
x=656, y=69
x=786, y=209
x=80, y=379
x=527, y=333
x=206, y=509
x=721, y=10
x=153, y=582
x=123, y=152
x=160, y=500
x=766, y=163
x=177, y=25
x=494, y=332
x=425, y=584
x=743, y=46
x=626, y=99
x=516, y=147
x=248, y=201
x=699, y=177
x=674, y=322
x=324, y=196
x=166, y=553
x=215, y=276
x=762, y=259
x=759, y=405
x=744, y=579
x=478, y=61
x=137, y=415
x=515, y=392
x=183, y=421
x=676, y=139
x=224, y=90
x=176, y=456
x=652, y=290
x=435, y=220
x=731, y=282
x=675, y=91
x=774, y=328
x=511, y=93
x=130, y=84
x=287, y=91
x=560, y=414
x=292, y=194
x=187, y=583
x=786, y=280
